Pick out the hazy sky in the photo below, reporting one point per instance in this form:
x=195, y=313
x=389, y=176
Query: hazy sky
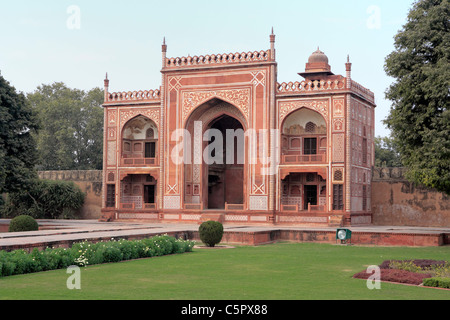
x=77, y=42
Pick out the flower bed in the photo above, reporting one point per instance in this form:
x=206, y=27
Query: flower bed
x=422, y=263
x=88, y=253
x=395, y=275
x=431, y=273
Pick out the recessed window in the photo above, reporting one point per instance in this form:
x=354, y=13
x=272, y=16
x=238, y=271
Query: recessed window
x=150, y=149
x=364, y=151
x=111, y=196
x=310, y=127
x=338, y=197
x=150, y=134
x=310, y=146
x=338, y=175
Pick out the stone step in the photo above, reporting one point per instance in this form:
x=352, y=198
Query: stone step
x=220, y=217
x=336, y=221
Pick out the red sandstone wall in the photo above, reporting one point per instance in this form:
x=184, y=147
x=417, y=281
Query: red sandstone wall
x=398, y=202
x=89, y=181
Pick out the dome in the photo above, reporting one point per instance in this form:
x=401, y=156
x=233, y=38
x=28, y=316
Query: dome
x=317, y=65
x=318, y=57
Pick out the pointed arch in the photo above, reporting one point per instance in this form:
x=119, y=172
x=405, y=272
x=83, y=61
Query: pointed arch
x=240, y=98
x=205, y=183
x=303, y=137
x=139, y=138
x=214, y=108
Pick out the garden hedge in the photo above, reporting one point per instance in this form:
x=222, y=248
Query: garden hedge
x=437, y=282
x=89, y=253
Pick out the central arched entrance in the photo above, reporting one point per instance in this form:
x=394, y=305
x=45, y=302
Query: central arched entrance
x=215, y=177
x=224, y=162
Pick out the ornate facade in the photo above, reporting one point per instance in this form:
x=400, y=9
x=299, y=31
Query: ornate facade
x=301, y=152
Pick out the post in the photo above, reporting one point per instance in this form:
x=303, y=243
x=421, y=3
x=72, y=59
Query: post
x=106, y=88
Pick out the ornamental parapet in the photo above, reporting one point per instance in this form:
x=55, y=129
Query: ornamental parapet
x=137, y=96
x=364, y=92
x=310, y=86
x=218, y=59
x=315, y=86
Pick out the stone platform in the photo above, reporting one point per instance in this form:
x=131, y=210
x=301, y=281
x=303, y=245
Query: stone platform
x=63, y=233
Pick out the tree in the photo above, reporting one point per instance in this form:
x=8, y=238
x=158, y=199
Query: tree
x=17, y=146
x=386, y=154
x=71, y=127
x=46, y=199
x=419, y=118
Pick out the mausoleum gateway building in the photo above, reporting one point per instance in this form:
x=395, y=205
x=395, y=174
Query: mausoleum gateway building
x=301, y=152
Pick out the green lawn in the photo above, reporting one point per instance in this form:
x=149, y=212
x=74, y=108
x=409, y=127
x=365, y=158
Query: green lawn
x=283, y=271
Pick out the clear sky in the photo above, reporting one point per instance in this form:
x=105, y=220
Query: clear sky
x=78, y=41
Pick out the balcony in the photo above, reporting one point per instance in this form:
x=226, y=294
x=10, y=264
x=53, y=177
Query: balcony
x=296, y=208
x=228, y=206
x=133, y=206
x=303, y=158
x=139, y=162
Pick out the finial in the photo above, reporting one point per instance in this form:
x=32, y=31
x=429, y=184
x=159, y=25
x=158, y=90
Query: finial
x=164, y=46
x=272, y=45
x=272, y=36
x=348, y=67
x=106, y=86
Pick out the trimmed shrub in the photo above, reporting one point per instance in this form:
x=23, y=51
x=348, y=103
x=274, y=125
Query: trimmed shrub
x=437, y=282
x=211, y=233
x=23, y=223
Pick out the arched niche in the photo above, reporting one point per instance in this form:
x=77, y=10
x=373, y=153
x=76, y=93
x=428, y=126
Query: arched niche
x=304, y=136
x=139, y=138
x=138, y=191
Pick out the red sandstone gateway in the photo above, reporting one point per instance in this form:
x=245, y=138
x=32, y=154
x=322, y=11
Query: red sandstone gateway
x=313, y=144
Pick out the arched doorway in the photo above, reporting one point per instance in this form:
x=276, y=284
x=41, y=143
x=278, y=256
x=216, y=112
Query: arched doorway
x=224, y=162
x=138, y=191
x=303, y=190
x=215, y=175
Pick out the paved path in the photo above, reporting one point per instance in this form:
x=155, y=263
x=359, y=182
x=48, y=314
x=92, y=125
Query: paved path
x=80, y=230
